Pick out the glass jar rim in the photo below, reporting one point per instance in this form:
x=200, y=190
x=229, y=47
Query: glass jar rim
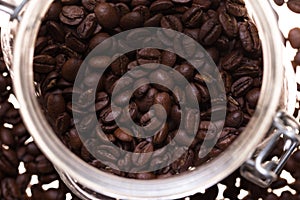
x=173, y=187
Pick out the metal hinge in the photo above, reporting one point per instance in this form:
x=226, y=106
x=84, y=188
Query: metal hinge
x=262, y=169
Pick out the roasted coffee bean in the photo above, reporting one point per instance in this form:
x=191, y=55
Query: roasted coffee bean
x=207, y=130
x=131, y=20
x=143, y=155
x=232, y=60
x=107, y=15
x=234, y=119
x=149, y=56
x=55, y=105
x=53, y=11
x=294, y=5
x=279, y=2
x=74, y=44
x=249, y=37
x=119, y=66
x=236, y=7
x=8, y=162
x=153, y=21
x=70, y=69
x=229, y=24
x=160, y=6
x=89, y=4
x=192, y=17
x=186, y=70
x=87, y=26
x=43, y=63
x=171, y=22
x=241, y=86
x=56, y=31
x=252, y=97
x=161, y=76
x=209, y=32
x=294, y=37
x=71, y=15
x=144, y=12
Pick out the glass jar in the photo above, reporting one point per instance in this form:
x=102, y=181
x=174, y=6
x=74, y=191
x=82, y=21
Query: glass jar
x=271, y=119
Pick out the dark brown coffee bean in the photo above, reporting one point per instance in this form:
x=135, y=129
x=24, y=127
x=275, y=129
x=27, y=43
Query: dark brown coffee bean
x=234, y=119
x=229, y=24
x=252, y=97
x=209, y=32
x=294, y=37
x=279, y=2
x=202, y=3
x=55, y=105
x=131, y=20
x=99, y=38
x=71, y=15
x=160, y=6
x=43, y=63
x=297, y=58
x=294, y=5
x=146, y=102
x=153, y=21
x=161, y=135
x=142, y=90
x=70, y=69
x=192, y=17
x=87, y=26
x=183, y=162
x=56, y=31
x=207, y=130
x=10, y=189
x=123, y=134
x=142, y=157
x=53, y=11
x=144, y=12
x=89, y=4
x=149, y=56
x=236, y=7
x=232, y=60
x=8, y=162
x=241, y=86
x=161, y=76
x=168, y=58
x=186, y=70
x=171, y=22
x=107, y=15
x=249, y=37
x=74, y=43
x=119, y=66
x=7, y=137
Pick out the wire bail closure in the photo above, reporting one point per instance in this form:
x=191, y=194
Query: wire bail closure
x=260, y=168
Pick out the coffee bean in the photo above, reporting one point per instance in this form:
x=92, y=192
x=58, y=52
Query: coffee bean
x=252, y=97
x=70, y=69
x=241, y=86
x=236, y=7
x=142, y=157
x=87, y=26
x=294, y=37
x=294, y=6
x=186, y=70
x=53, y=11
x=159, y=6
x=192, y=17
x=89, y=4
x=149, y=56
x=131, y=20
x=234, y=119
x=249, y=37
x=232, y=60
x=209, y=32
x=107, y=15
x=229, y=24
x=171, y=22
x=71, y=15
x=279, y=2
x=55, y=105
x=153, y=21
x=43, y=63
x=56, y=31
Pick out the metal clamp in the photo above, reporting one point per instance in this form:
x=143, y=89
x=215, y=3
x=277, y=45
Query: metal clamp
x=260, y=168
x=12, y=7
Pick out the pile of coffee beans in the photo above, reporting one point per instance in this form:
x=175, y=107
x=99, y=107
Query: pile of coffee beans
x=72, y=28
